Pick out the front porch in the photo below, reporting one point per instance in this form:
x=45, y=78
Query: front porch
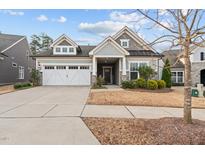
x=110, y=69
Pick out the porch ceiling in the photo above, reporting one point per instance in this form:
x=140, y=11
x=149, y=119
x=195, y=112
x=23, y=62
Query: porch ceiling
x=107, y=60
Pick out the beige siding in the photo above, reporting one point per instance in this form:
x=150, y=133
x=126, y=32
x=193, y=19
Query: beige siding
x=110, y=50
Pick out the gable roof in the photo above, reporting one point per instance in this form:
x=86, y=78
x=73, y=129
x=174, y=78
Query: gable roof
x=133, y=35
x=62, y=38
x=172, y=55
x=109, y=40
x=7, y=41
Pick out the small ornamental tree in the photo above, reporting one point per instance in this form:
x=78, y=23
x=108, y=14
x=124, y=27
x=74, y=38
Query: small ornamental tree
x=166, y=74
x=146, y=72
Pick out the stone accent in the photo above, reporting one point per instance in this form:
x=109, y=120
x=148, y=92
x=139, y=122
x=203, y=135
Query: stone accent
x=93, y=79
x=195, y=72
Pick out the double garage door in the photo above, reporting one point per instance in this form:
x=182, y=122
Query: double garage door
x=66, y=75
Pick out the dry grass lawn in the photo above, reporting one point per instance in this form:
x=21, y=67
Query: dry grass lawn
x=142, y=98
x=140, y=131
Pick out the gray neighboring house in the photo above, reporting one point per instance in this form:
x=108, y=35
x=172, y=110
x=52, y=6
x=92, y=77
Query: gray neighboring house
x=177, y=66
x=15, y=63
x=197, y=58
x=115, y=59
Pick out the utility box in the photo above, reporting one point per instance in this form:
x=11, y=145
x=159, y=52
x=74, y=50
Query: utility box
x=195, y=93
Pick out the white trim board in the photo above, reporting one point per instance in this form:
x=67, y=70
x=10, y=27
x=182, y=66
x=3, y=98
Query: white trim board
x=62, y=38
x=105, y=42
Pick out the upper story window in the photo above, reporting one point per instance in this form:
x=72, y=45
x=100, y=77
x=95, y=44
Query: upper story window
x=202, y=57
x=65, y=49
x=71, y=50
x=58, y=49
x=125, y=43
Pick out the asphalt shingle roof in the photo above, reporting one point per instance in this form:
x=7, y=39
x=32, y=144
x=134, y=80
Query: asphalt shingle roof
x=7, y=40
x=83, y=51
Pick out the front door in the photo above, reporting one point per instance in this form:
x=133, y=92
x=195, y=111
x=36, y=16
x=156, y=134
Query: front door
x=107, y=75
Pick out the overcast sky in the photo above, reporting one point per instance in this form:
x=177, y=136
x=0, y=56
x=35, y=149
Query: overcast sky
x=83, y=26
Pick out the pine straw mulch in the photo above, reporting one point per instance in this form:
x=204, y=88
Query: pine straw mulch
x=151, y=131
x=139, y=97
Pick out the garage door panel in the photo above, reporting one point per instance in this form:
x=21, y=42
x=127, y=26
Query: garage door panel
x=73, y=76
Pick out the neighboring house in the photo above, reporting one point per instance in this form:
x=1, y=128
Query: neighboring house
x=177, y=66
x=197, y=58
x=14, y=59
x=115, y=59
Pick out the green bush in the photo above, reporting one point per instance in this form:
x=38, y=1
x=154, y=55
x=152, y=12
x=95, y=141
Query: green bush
x=22, y=85
x=161, y=84
x=152, y=84
x=140, y=83
x=99, y=83
x=17, y=85
x=146, y=72
x=166, y=74
x=128, y=84
x=35, y=77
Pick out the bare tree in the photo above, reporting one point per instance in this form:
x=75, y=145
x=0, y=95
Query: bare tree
x=184, y=29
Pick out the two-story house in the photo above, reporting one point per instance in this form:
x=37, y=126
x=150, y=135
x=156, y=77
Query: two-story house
x=14, y=59
x=197, y=58
x=115, y=59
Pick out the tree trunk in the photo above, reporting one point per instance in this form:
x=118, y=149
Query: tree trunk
x=187, y=85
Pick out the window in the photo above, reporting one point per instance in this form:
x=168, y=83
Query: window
x=177, y=77
x=21, y=72
x=125, y=43
x=71, y=50
x=202, y=56
x=174, y=77
x=180, y=77
x=134, y=74
x=14, y=64
x=73, y=67
x=60, y=67
x=49, y=67
x=65, y=49
x=84, y=67
x=58, y=49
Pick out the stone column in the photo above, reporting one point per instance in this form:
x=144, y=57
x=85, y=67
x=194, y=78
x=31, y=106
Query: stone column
x=94, y=70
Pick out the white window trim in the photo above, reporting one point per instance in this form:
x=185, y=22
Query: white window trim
x=124, y=40
x=177, y=76
x=147, y=62
x=64, y=53
x=21, y=72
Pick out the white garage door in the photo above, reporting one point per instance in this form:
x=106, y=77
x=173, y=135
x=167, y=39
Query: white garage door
x=66, y=75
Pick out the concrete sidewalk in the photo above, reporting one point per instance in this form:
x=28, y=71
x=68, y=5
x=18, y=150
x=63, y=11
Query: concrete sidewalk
x=118, y=111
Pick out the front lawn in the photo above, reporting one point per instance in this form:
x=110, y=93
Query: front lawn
x=161, y=98
x=141, y=131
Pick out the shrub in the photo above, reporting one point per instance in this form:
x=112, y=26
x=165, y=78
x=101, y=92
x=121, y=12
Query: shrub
x=161, y=84
x=22, y=85
x=166, y=74
x=35, y=77
x=18, y=85
x=146, y=72
x=140, y=83
x=128, y=84
x=152, y=84
x=99, y=83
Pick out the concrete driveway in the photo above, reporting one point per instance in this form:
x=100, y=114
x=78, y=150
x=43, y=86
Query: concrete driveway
x=44, y=115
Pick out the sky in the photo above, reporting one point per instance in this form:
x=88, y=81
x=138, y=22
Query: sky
x=83, y=26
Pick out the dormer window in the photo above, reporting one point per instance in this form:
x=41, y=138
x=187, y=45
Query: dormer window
x=71, y=50
x=65, y=49
x=125, y=43
x=58, y=49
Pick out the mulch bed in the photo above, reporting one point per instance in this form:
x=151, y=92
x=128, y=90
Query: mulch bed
x=165, y=90
x=151, y=131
